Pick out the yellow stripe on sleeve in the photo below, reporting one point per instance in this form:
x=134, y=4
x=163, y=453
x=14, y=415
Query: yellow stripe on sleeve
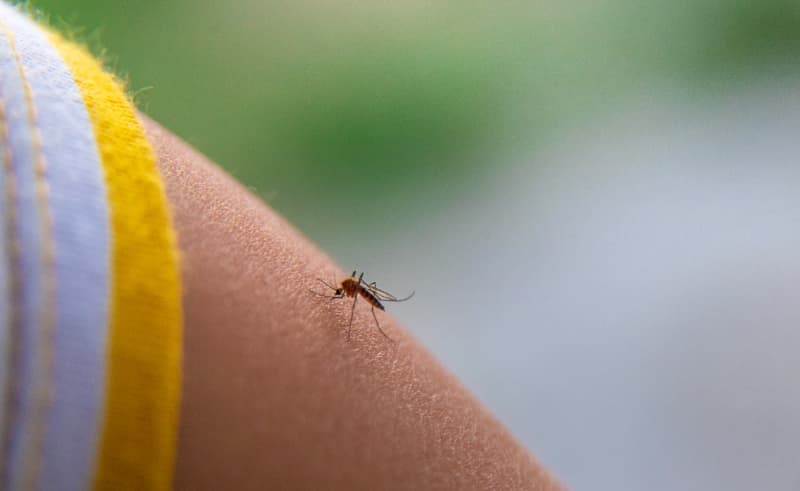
x=138, y=440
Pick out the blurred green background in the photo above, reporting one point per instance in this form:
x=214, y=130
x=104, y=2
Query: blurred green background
x=354, y=118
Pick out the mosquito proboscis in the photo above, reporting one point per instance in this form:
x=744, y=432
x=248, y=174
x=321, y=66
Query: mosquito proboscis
x=355, y=286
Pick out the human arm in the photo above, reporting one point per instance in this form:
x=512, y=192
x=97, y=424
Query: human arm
x=274, y=396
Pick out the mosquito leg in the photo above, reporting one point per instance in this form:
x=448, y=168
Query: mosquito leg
x=352, y=311
x=379, y=325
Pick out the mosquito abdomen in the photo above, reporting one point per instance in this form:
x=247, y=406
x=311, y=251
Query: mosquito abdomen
x=372, y=299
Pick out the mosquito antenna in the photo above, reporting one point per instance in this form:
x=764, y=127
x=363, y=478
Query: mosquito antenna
x=326, y=284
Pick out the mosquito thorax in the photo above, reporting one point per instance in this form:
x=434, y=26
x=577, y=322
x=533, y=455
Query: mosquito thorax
x=350, y=285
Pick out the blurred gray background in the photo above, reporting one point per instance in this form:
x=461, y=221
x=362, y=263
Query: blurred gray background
x=596, y=201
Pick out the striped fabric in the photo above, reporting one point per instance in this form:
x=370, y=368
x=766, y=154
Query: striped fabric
x=90, y=320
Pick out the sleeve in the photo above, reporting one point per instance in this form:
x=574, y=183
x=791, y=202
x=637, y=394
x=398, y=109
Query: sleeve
x=90, y=313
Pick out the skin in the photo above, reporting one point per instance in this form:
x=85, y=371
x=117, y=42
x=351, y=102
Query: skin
x=275, y=397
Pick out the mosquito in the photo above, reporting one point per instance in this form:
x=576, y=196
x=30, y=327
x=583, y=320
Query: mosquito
x=353, y=286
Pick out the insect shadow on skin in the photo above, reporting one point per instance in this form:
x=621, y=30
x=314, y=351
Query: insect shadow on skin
x=355, y=287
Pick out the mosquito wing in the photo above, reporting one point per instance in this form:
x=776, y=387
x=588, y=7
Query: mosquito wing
x=384, y=295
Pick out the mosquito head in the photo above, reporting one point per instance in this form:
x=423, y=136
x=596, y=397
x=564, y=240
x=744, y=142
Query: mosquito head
x=338, y=291
x=354, y=274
